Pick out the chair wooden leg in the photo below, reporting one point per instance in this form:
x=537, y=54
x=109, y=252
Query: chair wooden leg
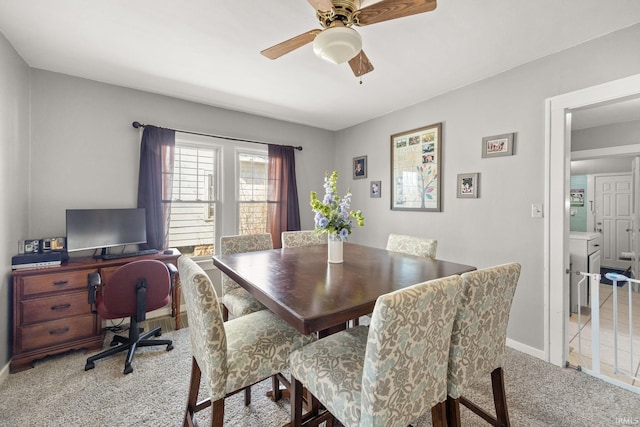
x=192, y=399
x=217, y=413
x=247, y=396
x=500, y=397
x=453, y=412
x=276, y=393
x=314, y=405
x=225, y=313
x=296, y=402
x=439, y=415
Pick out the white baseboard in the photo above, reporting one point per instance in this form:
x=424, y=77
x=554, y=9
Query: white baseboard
x=526, y=349
x=4, y=373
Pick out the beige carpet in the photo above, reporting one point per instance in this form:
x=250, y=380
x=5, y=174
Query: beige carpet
x=58, y=392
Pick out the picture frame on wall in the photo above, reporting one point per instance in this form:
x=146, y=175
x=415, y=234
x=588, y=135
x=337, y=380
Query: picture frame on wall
x=468, y=185
x=498, y=145
x=375, y=189
x=577, y=197
x=360, y=167
x=416, y=169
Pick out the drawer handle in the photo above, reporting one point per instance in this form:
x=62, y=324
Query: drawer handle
x=61, y=283
x=60, y=307
x=59, y=331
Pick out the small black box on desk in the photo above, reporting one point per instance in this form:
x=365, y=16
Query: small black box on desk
x=47, y=259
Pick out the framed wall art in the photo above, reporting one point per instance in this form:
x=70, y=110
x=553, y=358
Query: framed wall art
x=498, y=145
x=416, y=169
x=360, y=167
x=375, y=189
x=468, y=185
x=577, y=197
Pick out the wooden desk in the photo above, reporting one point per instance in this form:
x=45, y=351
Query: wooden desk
x=312, y=295
x=50, y=310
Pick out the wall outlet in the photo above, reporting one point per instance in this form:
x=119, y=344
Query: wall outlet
x=536, y=210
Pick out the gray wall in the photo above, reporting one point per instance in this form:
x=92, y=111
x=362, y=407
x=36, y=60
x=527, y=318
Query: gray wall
x=612, y=135
x=497, y=227
x=85, y=152
x=14, y=176
x=608, y=136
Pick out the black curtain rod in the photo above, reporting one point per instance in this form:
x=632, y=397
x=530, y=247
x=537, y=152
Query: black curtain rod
x=140, y=125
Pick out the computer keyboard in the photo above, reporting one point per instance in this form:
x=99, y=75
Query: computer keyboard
x=130, y=254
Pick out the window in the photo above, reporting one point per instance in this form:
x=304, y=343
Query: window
x=219, y=189
x=252, y=193
x=194, y=199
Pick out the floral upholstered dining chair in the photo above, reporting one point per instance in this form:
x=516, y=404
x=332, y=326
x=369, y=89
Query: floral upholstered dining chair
x=229, y=356
x=235, y=299
x=478, y=340
x=389, y=373
x=412, y=245
x=294, y=239
x=408, y=245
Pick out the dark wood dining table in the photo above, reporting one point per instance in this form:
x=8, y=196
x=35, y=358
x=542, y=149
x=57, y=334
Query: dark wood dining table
x=313, y=295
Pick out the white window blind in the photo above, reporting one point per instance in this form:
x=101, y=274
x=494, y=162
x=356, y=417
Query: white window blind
x=194, y=200
x=252, y=193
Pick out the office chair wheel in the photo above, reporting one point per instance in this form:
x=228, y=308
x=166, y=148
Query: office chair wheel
x=89, y=365
x=157, y=334
x=128, y=368
x=170, y=347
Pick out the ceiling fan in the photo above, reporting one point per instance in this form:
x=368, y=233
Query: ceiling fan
x=337, y=42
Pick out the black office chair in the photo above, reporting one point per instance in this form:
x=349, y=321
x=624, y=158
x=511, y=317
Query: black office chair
x=133, y=290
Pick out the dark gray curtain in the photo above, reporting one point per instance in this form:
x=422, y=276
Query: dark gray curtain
x=155, y=183
x=283, y=210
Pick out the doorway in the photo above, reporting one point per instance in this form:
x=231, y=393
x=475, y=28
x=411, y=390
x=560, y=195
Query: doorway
x=557, y=160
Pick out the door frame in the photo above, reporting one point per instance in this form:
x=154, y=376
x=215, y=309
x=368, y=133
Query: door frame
x=557, y=205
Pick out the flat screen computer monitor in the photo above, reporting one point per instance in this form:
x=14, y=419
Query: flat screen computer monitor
x=105, y=228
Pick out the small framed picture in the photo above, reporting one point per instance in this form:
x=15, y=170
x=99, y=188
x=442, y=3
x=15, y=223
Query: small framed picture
x=360, y=167
x=498, y=145
x=375, y=189
x=577, y=197
x=468, y=185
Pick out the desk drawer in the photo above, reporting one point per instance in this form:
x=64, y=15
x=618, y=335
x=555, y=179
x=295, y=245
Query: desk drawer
x=54, y=307
x=55, y=332
x=594, y=244
x=55, y=282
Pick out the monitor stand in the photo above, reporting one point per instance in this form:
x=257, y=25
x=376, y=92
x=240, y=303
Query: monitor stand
x=102, y=253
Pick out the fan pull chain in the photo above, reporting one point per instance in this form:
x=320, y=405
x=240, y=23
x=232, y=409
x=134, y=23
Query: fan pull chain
x=360, y=71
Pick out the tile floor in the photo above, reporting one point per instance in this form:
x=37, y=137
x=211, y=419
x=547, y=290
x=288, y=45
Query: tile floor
x=580, y=351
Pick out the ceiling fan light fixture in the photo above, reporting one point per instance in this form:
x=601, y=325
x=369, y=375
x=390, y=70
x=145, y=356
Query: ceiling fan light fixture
x=337, y=44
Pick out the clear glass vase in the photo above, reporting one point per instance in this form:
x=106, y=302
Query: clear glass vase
x=334, y=249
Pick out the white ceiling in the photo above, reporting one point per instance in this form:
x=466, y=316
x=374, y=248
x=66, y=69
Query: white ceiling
x=208, y=51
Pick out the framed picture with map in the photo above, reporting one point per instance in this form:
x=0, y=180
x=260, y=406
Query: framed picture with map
x=416, y=169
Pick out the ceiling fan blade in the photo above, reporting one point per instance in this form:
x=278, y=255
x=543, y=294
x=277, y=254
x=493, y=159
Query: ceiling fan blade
x=386, y=10
x=321, y=5
x=287, y=46
x=360, y=64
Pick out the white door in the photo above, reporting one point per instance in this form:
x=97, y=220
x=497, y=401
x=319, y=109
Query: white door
x=614, y=218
